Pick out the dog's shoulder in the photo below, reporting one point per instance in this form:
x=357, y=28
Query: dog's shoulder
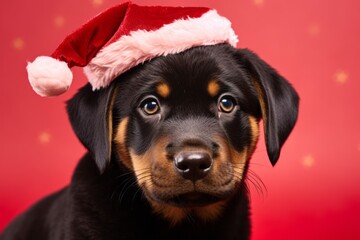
x=40, y=219
x=48, y=217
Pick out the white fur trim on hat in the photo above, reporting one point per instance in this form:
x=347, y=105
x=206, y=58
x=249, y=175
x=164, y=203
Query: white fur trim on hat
x=49, y=76
x=140, y=45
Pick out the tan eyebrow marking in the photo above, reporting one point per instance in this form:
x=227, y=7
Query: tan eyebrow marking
x=163, y=89
x=213, y=88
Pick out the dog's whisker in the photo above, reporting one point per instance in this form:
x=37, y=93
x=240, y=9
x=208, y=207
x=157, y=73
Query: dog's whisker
x=251, y=178
x=134, y=183
x=136, y=192
x=123, y=184
x=126, y=185
x=123, y=193
x=190, y=218
x=258, y=184
x=141, y=170
x=256, y=177
x=257, y=164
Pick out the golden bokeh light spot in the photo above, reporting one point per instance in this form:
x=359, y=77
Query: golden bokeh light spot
x=59, y=21
x=341, y=77
x=308, y=160
x=259, y=3
x=18, y=43
x=44, y=137
x=97, y=3
x=314, y=29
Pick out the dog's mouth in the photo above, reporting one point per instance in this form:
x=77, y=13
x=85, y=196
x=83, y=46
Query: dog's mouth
x=193, y=199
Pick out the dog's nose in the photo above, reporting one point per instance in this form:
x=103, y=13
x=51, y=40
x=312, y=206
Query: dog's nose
x=193, y=165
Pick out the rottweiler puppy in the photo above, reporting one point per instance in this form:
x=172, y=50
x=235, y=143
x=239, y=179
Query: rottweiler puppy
x=169, y=144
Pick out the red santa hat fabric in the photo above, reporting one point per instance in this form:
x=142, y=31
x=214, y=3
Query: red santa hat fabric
x=122, y=37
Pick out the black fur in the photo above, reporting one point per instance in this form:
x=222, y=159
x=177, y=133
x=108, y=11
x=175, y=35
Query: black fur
x=103, y=200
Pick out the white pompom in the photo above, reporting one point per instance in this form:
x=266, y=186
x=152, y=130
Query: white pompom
x=49, y=76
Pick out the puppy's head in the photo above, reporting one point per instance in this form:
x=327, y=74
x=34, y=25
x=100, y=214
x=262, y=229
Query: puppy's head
x=186, y=125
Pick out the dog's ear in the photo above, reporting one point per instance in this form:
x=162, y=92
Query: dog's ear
x=278, y=101
x=90, y=114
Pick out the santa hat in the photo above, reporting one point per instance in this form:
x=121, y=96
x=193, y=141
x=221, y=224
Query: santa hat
x=122, y=37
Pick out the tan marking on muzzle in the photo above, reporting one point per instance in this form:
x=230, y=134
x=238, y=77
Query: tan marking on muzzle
x=173, y=214
x=120, y=140
x=176, y=215
x=254, y=125
x=262, y=103
x=142, y=168
x=210, y=212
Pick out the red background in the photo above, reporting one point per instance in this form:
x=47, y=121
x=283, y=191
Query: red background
x=312, y=193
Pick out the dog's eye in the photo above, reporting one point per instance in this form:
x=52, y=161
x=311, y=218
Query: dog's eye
x=226, y=104
x=150, y=106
